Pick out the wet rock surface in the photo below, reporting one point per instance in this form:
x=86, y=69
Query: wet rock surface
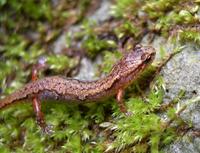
x=185, y=145
x=182, y=72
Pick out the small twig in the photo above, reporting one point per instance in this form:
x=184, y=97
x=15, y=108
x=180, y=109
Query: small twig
x=167, y=124
x=172, y=102
x=158, y=66
x=196, y=132
x=166, y=59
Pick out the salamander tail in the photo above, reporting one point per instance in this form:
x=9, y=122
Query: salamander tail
x=12, y=98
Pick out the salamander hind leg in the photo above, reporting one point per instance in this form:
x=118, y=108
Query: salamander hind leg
x=37, y=104
x=40, y=116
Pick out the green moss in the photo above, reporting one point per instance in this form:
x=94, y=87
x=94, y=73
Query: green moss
x=109, y=59
x=167, y=14
x=16, y=55
x=17, y=9
x=93, y=45
x=59, y=63
x=145, y=128
x=91, y=42
x=127, y=28
x=158, y=8
x=125, y=8
x=189, y=36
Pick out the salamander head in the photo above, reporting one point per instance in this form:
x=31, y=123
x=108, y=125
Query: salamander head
x=135, y=61
x=141, y=55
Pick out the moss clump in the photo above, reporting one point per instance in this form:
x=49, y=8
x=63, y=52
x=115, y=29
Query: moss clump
x=92, y=41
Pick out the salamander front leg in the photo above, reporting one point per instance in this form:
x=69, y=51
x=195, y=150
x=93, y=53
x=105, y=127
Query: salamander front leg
x=121, y=103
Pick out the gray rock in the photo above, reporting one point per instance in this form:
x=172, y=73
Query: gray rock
x=88, y=68
x=102, y=13
x=183, y=72
x=185, y=145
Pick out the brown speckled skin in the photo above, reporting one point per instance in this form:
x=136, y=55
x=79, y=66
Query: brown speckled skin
x=122, y=74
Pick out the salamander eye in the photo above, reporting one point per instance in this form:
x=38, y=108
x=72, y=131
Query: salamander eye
x=146, y=58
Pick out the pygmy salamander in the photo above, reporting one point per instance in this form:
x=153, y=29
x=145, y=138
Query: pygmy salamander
x=125, y=71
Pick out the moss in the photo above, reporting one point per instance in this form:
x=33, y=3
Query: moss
x=189, y=35
x=92, y=43
x=125, y=8
x=59, y=63
x=156, y=9
x=109, y=59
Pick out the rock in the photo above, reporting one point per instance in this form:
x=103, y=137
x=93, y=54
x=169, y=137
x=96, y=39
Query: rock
x=102, y=13
x=88, y=69
x=185, y=145
x=183, y=72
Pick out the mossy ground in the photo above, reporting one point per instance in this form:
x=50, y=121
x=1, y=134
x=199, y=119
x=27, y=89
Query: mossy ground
x=28, y=29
